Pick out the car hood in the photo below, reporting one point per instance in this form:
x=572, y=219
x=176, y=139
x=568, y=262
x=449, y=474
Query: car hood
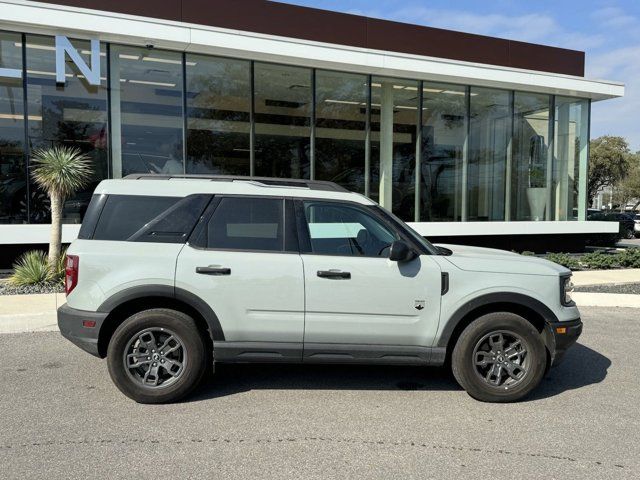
x=478, y=259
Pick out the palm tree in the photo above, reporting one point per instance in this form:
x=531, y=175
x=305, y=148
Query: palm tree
x=60, y=171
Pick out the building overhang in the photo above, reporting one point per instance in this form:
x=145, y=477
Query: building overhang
x=51, y=19
x=474, y=229
x=39, y=234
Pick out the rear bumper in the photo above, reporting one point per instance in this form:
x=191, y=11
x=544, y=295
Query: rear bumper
x=565, y=334
x=70, y=322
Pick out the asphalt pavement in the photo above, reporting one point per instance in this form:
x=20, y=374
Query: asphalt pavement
x=61, y=417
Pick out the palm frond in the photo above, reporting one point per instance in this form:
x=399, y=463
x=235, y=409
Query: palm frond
x=60, y=169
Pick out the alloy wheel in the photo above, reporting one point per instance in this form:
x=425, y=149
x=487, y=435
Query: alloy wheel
x=501, y=359
x=155, y=357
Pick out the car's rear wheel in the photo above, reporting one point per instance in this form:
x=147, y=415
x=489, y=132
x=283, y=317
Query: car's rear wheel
x=157, y=356
x=500, y=357
x=629, y=233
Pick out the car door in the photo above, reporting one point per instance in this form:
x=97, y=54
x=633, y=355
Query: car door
x=357, y=300
x=243, y=261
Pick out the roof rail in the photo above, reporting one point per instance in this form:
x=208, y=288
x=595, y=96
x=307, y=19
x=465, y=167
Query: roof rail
x=263, y=181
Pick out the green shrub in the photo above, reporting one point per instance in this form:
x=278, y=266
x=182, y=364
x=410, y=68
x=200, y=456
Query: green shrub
x=32, y=268
x=564, y=259
x=528, y=253
x=630, y=258
x=600, y=261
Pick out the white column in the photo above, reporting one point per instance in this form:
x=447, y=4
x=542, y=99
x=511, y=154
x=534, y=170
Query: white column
x=583, y=133
x=386, y=145
x=564, y=160
x=116, y=117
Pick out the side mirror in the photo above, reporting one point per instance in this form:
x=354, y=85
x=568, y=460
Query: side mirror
x=401, y=252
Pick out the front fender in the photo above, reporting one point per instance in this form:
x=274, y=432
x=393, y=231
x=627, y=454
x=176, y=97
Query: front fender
x=492, y=298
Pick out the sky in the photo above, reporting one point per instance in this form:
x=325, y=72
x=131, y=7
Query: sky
x=607, y=30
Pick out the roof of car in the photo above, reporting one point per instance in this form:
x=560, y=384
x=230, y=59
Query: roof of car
x=182, y=185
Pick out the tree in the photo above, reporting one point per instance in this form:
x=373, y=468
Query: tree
x=60, y=171
x=628, y=189
x=609, y=162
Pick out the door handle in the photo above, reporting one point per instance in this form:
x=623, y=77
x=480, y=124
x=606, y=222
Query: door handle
x=213, y=270
x=334, y=274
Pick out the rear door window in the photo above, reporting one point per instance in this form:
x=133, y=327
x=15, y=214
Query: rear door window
x=246, y=223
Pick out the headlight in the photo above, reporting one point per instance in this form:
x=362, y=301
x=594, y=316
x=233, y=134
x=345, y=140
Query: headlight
x=566, y=289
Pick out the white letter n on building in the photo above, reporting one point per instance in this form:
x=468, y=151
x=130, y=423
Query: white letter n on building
x=91, y=74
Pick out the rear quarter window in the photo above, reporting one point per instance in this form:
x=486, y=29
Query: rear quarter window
x=138, y=218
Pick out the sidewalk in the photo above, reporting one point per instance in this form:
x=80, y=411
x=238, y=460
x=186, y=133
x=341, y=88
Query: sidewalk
x=29, y=313
x=606, y=277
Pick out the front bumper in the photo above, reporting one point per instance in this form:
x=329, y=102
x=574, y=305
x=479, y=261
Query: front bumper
x=70, y=322
x=565, y=334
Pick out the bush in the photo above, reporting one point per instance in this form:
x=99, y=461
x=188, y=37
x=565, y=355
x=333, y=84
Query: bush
x=630, y=258
x=32, y=268
x=600, y=261
x=564, y=259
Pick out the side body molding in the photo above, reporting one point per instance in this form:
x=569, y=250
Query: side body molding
x=494, y=298
x=166, y=291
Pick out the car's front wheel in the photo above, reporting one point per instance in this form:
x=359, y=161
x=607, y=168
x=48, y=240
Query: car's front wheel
x=157, y=356
x=500, y=357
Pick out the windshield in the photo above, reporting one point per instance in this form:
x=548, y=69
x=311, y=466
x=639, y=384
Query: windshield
x=427, y=246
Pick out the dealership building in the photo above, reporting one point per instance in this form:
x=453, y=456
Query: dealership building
x=468, y=137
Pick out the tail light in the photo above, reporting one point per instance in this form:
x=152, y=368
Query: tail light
x=71, y=273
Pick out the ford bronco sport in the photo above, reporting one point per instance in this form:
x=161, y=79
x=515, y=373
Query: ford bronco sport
x=172, y=274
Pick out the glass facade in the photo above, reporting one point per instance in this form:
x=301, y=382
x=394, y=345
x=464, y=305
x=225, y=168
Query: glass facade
x=394, y=136
x=571, y=156
x=531, y=175
x=218, y=98
x=341, y=129
x=74, y=115
x=489, y=135
x=283, y=102
x=443, y=139
x=14, y=207
x=427, y=151
x=146, y=111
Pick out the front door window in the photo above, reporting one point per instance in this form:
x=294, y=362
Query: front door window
x=338, y=229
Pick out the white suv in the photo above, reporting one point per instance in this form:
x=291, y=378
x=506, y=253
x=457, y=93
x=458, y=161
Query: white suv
x=171, y=274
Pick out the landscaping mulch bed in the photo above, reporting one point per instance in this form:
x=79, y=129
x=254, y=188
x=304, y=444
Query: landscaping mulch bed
x=6, y=289
x=632, y=288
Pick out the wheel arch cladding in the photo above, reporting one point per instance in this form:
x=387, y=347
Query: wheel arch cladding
x=532, y=310
x=123, y=304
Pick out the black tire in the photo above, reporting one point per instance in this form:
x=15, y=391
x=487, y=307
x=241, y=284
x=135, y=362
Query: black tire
x=192, y=344
x=470, y=378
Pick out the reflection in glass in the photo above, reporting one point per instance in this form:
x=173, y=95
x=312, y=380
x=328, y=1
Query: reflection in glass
x=570, y=158
x=218, y=115
x=530, y=196
x=73, y=114
x=341, y=119
x=13, y=174
x=443, y=136
x=146, y=111
x=283, y=101
x=394, y=128
x=489, y=135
